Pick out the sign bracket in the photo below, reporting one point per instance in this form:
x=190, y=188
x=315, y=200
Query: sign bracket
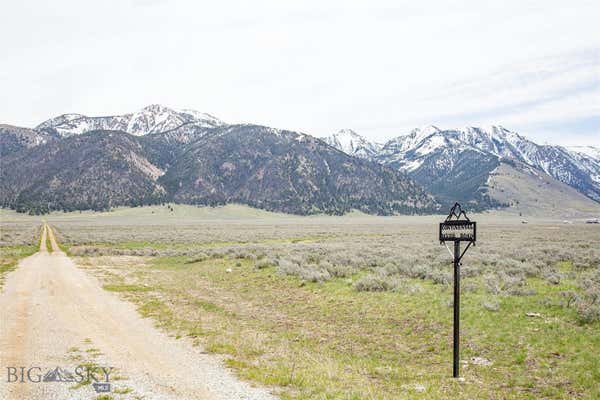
x=449, y=251
x=465, y=250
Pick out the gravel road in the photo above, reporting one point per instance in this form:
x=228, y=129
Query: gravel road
x=56, y=318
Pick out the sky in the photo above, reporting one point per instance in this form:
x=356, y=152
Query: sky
x=380, y=68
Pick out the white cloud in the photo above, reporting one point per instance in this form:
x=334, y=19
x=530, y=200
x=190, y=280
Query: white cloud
x=379, y=67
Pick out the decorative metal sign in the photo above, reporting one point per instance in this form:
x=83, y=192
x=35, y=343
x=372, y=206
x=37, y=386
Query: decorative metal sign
x=457, y=228
x=462, y=231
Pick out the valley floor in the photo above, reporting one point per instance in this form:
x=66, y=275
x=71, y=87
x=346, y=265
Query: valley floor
x=351, y=307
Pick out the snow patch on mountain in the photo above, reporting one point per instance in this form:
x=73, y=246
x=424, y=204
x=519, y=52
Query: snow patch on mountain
x=353, y=144
x=154, y=118
x=586, y=151
x=415, y=139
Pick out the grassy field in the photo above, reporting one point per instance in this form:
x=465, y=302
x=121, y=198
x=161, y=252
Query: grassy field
x=19, y=238
x=357, y=307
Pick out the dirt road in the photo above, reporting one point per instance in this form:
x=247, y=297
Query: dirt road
x=57, y=323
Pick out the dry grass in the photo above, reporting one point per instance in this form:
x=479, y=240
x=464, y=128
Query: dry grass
x=17, y=240
x=385, y=255
x=16, y=233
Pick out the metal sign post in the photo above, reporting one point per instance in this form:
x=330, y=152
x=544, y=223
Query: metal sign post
x=457, y=228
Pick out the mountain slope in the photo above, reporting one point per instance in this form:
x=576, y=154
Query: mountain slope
x=97, y=170
x=14, y=139
x=535, y=193
x=453, y=175
x=286, y=171
x=259, y=166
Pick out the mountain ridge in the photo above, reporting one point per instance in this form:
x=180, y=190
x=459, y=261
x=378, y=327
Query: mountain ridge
x=288, y=171
x=165, y=151
x=429, y=154
x=264, y=167
x=153, y=118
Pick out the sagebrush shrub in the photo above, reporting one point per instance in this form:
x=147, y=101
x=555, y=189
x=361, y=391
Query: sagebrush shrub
x=264, y=263
x=376, y=283
x=491, y=306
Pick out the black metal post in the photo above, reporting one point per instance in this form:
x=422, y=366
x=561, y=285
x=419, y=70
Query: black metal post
x=456, y=307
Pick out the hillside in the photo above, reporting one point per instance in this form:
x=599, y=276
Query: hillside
x=536, y=194
x=287, y=171
x=97, y=170
x=14, y=139
x=275, y=170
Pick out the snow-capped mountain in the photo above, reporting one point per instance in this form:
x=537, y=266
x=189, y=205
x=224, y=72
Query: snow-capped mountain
x=151, y=119
x=456, y=162
x=426, y=149
x=411, y=150
x=353, y=144
x=445, y=162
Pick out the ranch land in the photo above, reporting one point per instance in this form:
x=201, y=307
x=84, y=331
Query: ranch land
x=353, y=307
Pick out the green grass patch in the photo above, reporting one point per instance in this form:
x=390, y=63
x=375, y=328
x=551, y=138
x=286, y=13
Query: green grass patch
x=123, y=390
x=10, y=257
x=64, y=248
x=48, y=243
x=208, y=306
x=127, y=288
x=326, y=340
